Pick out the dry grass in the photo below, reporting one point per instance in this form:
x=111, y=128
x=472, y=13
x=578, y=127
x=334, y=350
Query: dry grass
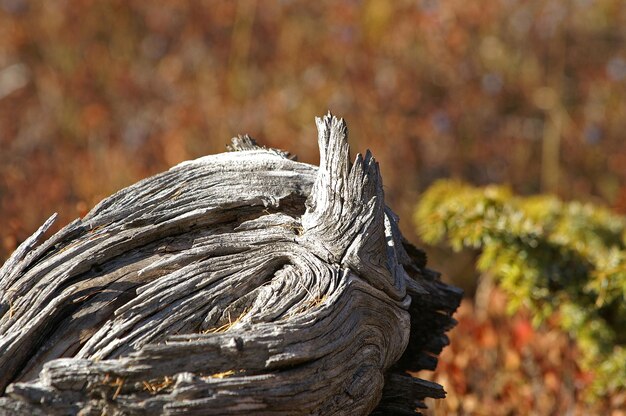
x=118, y=383
x=223, y=374
x=157, y=385
x=225, y=327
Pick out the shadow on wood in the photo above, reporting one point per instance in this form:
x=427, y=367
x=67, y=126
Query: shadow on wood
x=239, y=283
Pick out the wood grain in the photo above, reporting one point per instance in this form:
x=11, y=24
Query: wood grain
x=239, y=283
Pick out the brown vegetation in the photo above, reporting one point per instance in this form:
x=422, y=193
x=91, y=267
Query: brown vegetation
x=95, y=95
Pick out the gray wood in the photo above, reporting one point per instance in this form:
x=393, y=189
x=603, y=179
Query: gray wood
x=239, y=283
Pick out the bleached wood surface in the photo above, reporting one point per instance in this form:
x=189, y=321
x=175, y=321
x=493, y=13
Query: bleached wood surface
x=240, y=283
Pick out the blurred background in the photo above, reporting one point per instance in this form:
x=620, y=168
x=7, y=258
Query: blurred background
x=96, y=95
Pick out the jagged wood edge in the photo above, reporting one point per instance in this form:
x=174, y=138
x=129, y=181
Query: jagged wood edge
x=105, y=212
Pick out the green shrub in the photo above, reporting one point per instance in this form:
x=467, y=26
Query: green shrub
x=560, y=259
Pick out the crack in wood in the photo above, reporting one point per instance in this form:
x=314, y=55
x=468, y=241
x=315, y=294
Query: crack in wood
x=238, y=283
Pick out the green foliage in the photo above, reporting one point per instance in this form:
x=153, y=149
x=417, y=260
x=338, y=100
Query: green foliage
x=563, y=260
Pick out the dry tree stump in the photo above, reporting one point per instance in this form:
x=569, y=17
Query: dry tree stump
x=240, y=283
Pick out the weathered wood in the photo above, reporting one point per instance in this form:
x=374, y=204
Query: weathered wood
x=239, y=283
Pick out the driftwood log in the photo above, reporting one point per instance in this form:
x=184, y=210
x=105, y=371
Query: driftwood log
x=240, y=283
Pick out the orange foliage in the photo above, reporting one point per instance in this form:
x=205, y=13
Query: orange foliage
x=96, y=95
x=501, y=366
